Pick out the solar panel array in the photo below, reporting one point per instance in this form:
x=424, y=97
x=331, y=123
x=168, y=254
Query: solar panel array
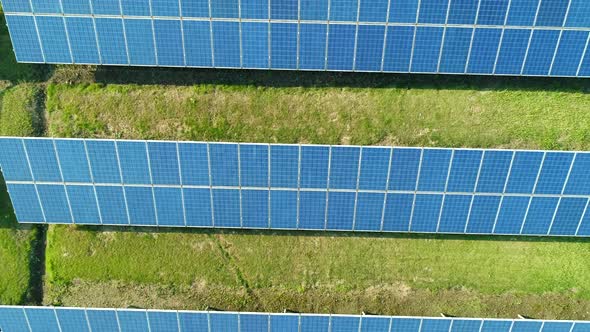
x=304, y=187
x=50, y=319
x=500, y=37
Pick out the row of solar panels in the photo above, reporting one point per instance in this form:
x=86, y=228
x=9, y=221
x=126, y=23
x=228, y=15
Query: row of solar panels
x=305, y=46
x=311, y=187
x=554, y=13
x=49, y=319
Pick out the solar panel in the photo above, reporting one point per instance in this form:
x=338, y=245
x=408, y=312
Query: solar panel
x=302, y=187
x=492, y=37
x=63, y=319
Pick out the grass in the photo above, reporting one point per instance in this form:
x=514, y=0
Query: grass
x=413, y=275
x=19, y=115
x=393, y=115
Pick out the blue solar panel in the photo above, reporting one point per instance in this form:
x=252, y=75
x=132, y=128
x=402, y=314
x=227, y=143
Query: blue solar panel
x=13, y=318
x=160, y=321
x=72, y=320
x=133, y=321
x=458, y=36
x=193, y=321
x=140, y=202
x=197, y=43
x=349, y=188
x=42, y=320
x=344, y=167
x=255, y=45
x=140, y=44
x=83, y=42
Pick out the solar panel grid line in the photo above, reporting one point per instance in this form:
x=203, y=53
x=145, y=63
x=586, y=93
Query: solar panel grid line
x=526, y=55
x=321, y=190
x=582, y=217
x=147, y=319
x=414, y=39
x=269, y=33
x=327, y=37
x=125, y=33
x=386, y=187
x=118, y=321
x=583, y=56
x=572, y=327
x=178, y=322
x=180, y=178
x=472, y=36
x=356, y=34
x=57, y=320
x=503, y=192
x=569, y=3
x=93, y=19
x=561, y=192
x=360, y=324
x=481, y=326
x=356, y=194
x=483, y=155
x=442, y=43
x=269, y=209
x=66, y=32
x=420, y=326
x=299, y=184
x=385, y=36
x=297, y=65
x=555, y=53
x=210, y=184
x=442, y=205
x=27, y=320
x=121, y=178
x=211, y=34
x=328, y=188
x=34, y=182
x=501, y=42
x=38, y=34
x=295, y=21
x=416, y=188
x=240, y=187
x=184, y=62
x=240, y=41
x=91, y=174
x=208, y=321
x=239, y=329
x=61, y=174
x=533, y=191
x=153, y=32
x=330, y=322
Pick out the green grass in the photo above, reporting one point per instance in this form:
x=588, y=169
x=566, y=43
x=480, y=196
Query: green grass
x=392, y=116
x=19, y=115
x=309, y=272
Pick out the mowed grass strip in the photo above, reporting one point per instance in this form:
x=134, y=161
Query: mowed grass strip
x=368, y=116
x=311, y=272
